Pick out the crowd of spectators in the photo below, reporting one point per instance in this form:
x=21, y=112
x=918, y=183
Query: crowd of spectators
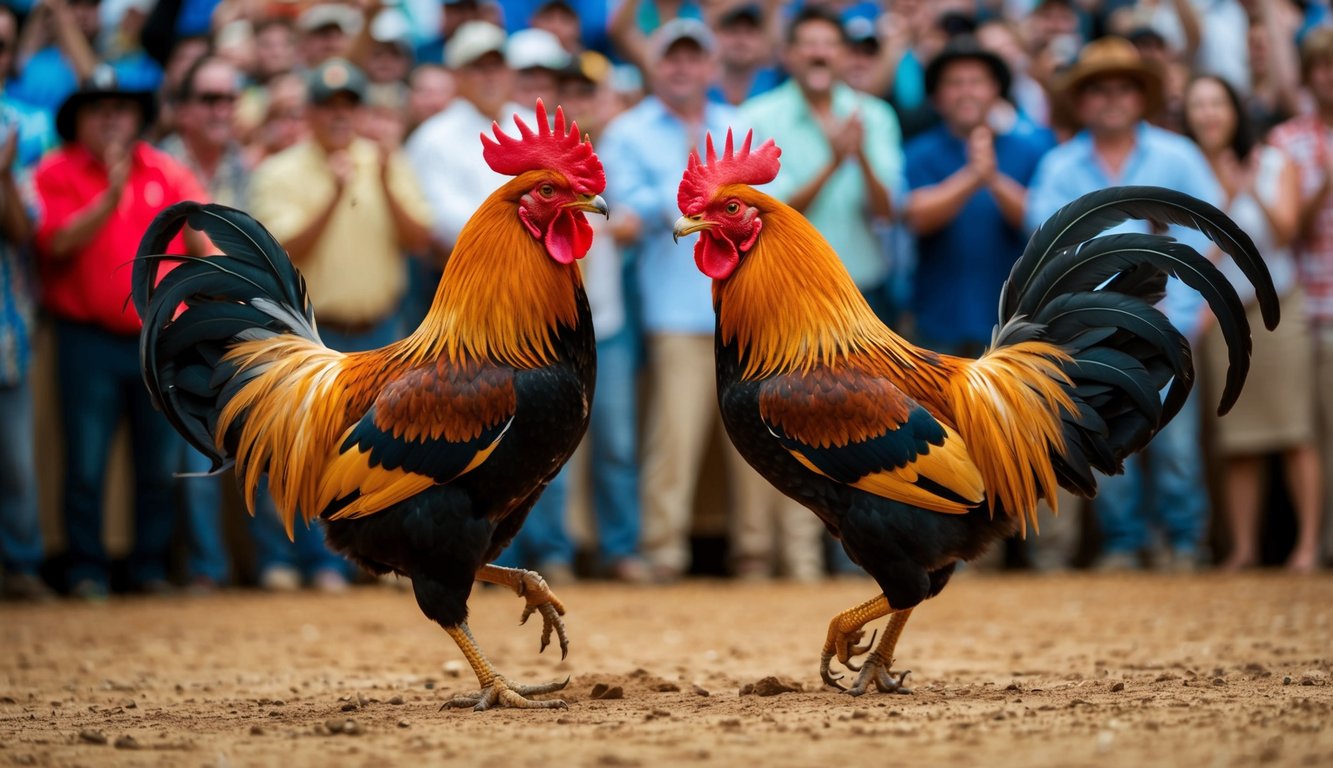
x=925, y=139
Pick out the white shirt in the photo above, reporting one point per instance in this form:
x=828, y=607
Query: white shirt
x=446, y=155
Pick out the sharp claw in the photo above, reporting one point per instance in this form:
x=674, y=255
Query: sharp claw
x=857, y=650
x=852, y=665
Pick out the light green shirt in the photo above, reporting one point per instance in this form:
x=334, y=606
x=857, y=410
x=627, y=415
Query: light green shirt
x=841, y=210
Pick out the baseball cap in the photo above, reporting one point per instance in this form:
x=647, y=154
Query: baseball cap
x=471, y=41
x=343, y=17
x=679, y=29
x=536, y=49
x=335, y=76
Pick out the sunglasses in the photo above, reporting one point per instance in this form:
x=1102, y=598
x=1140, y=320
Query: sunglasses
x=215, y=99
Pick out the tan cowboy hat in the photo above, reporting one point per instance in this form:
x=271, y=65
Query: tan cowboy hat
x=1113, y=57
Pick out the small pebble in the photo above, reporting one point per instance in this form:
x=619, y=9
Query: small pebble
x=334, y=725
x=126, y=741
x=699, y=690
x=256, y=730
x=349, y=707
x=403, y=724
x=351, y=727
x=396, y=700
x=1286, y=680
x=92, y=736
x=1117, y=688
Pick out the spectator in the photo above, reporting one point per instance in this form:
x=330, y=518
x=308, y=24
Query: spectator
x=326, y=32
x=746, y=54
x=431, y=88
x=633, y=22
x=21, y=550
x=845, y=156
x=537, y=59
x=644, y=150
x=456, y=15
x=385, y=48
x=204, y=142
x=97, y=195
x=612, y=439
x=456, y=181
x=1305, y=140
x=1111, y=90
x=1275, y=87
x=1276, y=410
x=560, y=18
x=348, y=212
x=283, y=124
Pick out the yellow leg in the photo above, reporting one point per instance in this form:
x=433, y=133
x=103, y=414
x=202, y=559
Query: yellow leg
x=877, y=667
x=844, y=631
x=494, y=688
x=532, y=587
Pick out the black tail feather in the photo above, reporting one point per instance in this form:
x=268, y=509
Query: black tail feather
x=1094, y=297
x=194, y=313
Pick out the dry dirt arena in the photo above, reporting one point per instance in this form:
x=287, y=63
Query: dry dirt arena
x=1072, y=670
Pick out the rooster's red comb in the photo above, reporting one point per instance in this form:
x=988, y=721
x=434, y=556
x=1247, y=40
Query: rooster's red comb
x=558, y=150
x=702, y=179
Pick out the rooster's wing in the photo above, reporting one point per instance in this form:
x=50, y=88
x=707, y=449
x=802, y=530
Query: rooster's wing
x=859, y=429
x=427, y=426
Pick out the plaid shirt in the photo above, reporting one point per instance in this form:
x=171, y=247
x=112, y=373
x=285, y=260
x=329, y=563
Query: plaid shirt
x=1305, y=139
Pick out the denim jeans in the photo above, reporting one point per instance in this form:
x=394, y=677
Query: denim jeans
x=100, y=382
x=1163, y=486
x=20, y=530
x=613, y=443
x=543, y=539
x=202, y=497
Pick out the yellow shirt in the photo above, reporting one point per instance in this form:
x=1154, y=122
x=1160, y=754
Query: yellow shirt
x=356, y=273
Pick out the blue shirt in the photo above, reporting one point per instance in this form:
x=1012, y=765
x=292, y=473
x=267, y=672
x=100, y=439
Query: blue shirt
x=48, y=79
x=765, y=80
x=17, y=286
x=644, y=151
x=594, y=18
x=961, y=267
x=1159, y=158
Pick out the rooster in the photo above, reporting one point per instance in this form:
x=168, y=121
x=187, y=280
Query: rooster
x=917, y=460
x=422, y=458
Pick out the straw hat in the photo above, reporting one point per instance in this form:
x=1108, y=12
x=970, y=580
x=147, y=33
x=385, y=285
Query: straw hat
x=1113, y=57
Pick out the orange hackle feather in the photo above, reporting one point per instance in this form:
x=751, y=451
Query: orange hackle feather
x=791, y=306
x=501, y=299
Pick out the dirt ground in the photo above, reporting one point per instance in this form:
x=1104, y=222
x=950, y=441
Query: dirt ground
x=1070, y=670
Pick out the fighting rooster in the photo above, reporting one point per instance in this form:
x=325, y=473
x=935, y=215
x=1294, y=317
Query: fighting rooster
x=917, y=460
x=424, y=457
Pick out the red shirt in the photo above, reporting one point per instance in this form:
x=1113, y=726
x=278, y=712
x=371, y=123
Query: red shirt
x=92, y=286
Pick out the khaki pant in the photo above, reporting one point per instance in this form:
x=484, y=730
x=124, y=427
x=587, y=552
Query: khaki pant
x=681, y=417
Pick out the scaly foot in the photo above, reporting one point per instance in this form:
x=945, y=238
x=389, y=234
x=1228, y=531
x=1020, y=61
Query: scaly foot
x=502, y=693
x=844, y=632
x=880, y=674
x=540, y=599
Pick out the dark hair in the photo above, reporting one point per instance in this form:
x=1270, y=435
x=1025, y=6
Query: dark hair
x=816, y=13
x=186, y=90
x=1243, y=138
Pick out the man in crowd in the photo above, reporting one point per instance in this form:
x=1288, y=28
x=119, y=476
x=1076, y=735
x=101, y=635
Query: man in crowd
x=1111, y=89
x=349, y=212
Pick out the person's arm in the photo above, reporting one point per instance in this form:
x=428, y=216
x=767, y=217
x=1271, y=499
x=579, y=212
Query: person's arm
x=359, y=51
x=844, y=139
x=1283, y=72
x=78, y=51
x=158, y=36
x=1282, y=208
x=895, y=41
x=1011, y=197
x=625, y=34
x=300, y=245
x=13, y=215
x=1190, y=26
x=931, y=208
x=410, y=228
x=84, y=224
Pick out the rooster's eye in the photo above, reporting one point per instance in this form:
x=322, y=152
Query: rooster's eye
x=546, y=190
x=733, y=208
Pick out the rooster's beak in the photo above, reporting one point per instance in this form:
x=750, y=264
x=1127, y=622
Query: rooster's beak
x=591, y=204
x=688, y=225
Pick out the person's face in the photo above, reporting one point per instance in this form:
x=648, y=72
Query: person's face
x=1110, y=104
x=1209, y=114
x=1319, y=78
x=275, y=51
x=815, y=56
x=322, y=44
x=487, y=83
x=387, y=63
x=860, y=65
x=564, y=25
x=458, y=14
x=536, y=83
x=284, y=121
x=333, y=123
x=106, y=123
x=209, y=113
x=682, y=76
x=383, y=125
x=432, y=88
x=742, y=45
x=587, y=103
x=965, y=94
x=1002, y=42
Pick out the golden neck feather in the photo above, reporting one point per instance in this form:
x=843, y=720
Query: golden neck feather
x=502, y=297
x=790, y=304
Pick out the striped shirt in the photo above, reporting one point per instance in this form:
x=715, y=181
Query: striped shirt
x=1305, y=139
